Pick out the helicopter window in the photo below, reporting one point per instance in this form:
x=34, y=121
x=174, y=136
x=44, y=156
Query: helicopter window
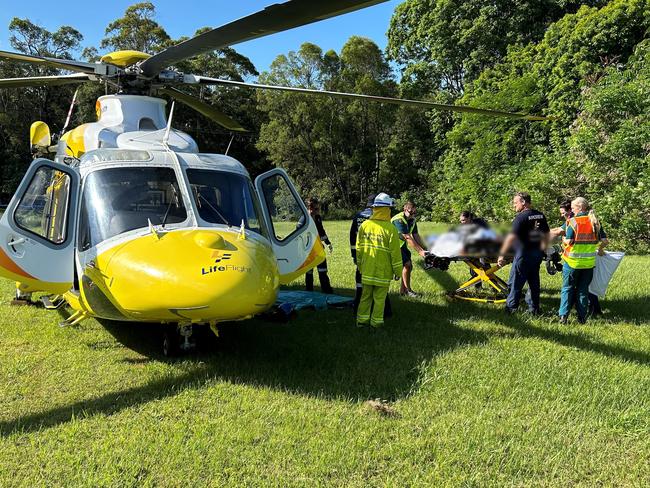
x=43, y=208
x=146, y=124
x=225, y=198
x=117, y=200
x=287, y=215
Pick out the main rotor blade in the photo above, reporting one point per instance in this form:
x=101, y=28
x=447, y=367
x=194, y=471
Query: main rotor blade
x=68, y=64
x=43, y=81
x=208, y=110
x=374, y=98
x=275, y=18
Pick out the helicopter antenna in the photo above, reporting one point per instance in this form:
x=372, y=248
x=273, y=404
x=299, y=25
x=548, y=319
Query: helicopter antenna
x=169, y=125
x=67, y=120
x=228, y=148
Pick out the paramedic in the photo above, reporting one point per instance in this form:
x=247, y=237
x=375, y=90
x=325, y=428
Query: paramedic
x=584, y=238
x=409, y=237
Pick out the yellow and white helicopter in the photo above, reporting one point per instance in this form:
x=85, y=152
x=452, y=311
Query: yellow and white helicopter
x=131, y=222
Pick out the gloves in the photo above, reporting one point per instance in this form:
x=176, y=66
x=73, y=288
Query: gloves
x=330, y=248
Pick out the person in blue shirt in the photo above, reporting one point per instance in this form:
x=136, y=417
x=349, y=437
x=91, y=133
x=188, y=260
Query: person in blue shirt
x=528, y=238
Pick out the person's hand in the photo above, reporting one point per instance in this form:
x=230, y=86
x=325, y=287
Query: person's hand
x=422, y=253
x=601, y=251
x=330, y=248
x=501, y=261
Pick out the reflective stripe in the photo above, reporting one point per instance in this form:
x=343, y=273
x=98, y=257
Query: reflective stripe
x=353, y=247
x=371, y=280
x=359, y=285
x=581, y=254
x=366, y=246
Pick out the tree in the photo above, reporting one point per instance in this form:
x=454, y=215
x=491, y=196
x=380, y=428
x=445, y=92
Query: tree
x=333, y=148
x=20, y=107
x=136, y=30
x=444, y=44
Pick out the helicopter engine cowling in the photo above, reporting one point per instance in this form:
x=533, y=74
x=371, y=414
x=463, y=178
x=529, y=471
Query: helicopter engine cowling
x=190, y=276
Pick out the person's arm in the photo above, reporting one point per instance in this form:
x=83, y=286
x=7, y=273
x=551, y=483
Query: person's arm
x=505, y=247
x=360, y=253
x=412, y=241
x=557, y=232
x=321, y=232
x=396, y=255
x=353, y=239
x=601, y=246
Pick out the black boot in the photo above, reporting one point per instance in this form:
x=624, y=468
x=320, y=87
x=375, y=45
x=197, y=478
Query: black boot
x=309, y=280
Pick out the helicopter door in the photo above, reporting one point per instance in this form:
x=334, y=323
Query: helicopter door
x=293, y=232
x=37, y=230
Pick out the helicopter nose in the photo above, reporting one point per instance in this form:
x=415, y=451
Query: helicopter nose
x=192, y=275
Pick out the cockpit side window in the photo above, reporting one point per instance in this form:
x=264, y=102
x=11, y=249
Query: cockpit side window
x=226, y=198
x=117, y=200
x=146, y=124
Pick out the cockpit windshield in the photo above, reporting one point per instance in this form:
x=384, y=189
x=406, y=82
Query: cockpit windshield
x=117, y=200
x=226, y=198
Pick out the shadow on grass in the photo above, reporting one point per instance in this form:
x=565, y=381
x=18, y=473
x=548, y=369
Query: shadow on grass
x=632, y=310
x=319, y=354
x=322, y=354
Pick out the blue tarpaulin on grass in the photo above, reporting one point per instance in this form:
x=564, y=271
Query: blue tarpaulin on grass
x=311, y=299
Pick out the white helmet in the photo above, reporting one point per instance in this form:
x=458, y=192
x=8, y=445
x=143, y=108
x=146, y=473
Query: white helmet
x=383, y=200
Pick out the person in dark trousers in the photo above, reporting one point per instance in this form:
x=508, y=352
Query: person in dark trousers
x=357, y=220
x=528, y=238
x=567, y=214
x=313, y=205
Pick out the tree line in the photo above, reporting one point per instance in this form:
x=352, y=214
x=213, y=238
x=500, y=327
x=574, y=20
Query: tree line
x=584, y=64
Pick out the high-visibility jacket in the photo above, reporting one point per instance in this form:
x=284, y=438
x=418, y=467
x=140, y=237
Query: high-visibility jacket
x=378, y=250
x=580, y=252
x=402, y=217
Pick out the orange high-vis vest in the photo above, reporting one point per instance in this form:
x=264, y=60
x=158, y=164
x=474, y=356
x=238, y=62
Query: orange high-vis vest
x=580, y=253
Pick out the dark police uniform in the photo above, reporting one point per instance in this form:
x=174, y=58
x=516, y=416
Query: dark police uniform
x=324, y=279
x=357, y=220
x=531, y=228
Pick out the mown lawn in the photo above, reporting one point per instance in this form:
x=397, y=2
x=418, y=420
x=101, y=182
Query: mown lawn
x=479, y=399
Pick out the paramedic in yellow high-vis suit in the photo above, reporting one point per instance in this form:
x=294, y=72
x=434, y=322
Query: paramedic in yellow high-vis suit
x=379, y=260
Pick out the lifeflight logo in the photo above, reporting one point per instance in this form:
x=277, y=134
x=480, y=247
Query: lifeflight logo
x=216, y=268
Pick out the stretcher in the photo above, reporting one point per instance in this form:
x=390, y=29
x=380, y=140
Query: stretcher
x=483, y=269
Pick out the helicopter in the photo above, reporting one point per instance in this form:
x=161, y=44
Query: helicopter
x=130, y=222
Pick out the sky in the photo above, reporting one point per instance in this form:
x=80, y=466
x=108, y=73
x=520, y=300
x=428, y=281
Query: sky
x=184, y=17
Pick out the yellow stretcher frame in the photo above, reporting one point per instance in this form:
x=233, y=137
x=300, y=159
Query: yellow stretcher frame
x=484, y=274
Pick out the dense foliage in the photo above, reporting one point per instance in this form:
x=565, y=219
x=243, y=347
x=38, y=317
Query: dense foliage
x=583, y=63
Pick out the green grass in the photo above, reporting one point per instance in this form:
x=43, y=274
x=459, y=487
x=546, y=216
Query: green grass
x=481, y=399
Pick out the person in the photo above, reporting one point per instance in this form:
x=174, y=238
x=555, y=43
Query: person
x=467, y=218
x=379, y=259
x=407, y=228
x=583, y=239
x=528, y=237
x=313, y=206
x=567, y=213
x=359, y=219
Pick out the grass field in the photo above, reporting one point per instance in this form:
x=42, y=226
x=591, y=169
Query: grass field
x=478, y=398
